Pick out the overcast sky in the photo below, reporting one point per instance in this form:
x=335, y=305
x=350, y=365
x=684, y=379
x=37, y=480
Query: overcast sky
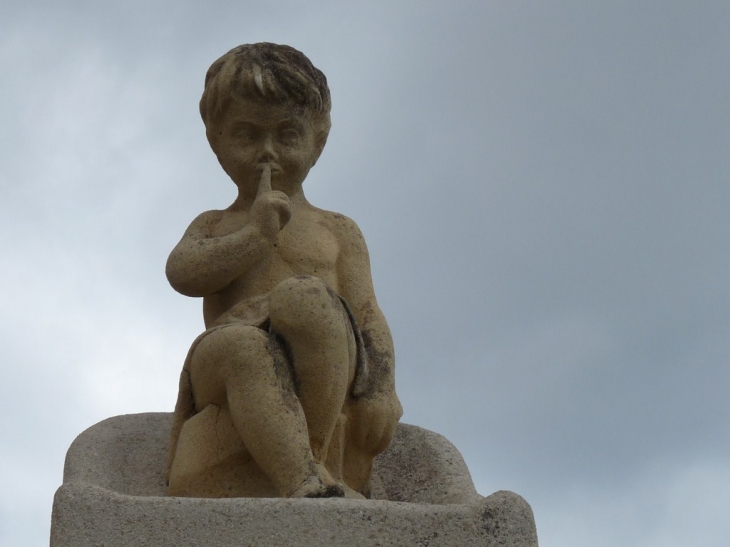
x=544, y=190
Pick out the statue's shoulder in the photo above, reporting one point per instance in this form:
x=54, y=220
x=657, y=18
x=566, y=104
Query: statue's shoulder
x=347, y=233
x=338, y=223
x=214, y=215
x=207, y=220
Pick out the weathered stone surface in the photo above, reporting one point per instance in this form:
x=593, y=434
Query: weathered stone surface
x=114, y=495
x=290, y=391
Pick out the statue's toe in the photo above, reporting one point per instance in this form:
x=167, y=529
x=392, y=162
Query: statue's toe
x=314, y=487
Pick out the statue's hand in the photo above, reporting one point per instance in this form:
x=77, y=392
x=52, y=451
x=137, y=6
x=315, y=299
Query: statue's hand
x=373, y=421
x=271, y=209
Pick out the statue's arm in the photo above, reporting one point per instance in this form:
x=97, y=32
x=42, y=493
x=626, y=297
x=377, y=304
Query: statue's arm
x=376, y=409
x=202, y=263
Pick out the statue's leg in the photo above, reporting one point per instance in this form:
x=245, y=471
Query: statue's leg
x=318, y=336
x=245, y=369
x=184, y=409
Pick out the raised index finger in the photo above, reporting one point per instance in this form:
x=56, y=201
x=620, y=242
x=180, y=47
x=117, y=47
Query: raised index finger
x=265, y=182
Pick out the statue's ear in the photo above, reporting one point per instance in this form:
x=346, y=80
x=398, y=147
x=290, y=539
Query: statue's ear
x=320, y=141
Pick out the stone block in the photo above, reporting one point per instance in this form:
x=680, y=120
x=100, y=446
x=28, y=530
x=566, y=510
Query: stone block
x=113, y=495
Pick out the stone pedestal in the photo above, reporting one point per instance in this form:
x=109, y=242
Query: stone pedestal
x=113, y=495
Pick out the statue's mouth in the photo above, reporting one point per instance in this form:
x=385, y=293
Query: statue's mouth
x=273, y=167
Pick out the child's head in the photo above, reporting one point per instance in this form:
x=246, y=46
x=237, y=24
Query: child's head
x=267, y=72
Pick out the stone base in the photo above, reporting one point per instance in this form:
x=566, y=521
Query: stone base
x=113, y=496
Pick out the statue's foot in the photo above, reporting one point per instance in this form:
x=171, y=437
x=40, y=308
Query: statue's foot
x=353, y=494
x=314, y=487
x=319, y=485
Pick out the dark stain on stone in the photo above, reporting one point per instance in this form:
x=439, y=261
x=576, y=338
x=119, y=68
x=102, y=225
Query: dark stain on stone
x=490, y=524
x=281, y=355
x=380, y=362
x=426, y=540
x=362, y=367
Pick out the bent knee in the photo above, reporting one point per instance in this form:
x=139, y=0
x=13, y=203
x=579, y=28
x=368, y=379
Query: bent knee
x=233, y=351
x=302, y=301
x=231, y=340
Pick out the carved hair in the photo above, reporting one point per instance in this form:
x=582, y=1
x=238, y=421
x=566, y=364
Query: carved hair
x=266, y=72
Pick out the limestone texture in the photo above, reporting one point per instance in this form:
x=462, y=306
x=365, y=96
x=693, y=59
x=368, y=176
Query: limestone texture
x=289, y=393
x=114, y=495
x=290, y=390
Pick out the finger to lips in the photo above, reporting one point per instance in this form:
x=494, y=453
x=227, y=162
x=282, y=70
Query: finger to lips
x=265, y=182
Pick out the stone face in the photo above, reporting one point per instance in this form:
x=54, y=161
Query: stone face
x=114, y=495
x=290, y=391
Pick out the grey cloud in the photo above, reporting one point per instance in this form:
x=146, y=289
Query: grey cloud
x=543, y=188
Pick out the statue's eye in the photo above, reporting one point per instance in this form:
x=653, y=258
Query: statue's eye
x=246, y=132
x=288, y=135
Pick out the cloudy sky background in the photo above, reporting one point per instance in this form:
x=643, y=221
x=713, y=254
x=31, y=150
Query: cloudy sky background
x=543, y=186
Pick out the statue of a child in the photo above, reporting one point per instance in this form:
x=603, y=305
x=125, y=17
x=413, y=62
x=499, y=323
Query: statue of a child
x=297, y=354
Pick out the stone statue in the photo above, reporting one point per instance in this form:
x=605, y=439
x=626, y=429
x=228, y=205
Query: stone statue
x=290, y=391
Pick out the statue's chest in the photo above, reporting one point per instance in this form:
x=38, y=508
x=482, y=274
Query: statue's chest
x=308, y=247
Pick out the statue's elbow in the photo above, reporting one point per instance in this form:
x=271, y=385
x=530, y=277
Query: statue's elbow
x=181, y=279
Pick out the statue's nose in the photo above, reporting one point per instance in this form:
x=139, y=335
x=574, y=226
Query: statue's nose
x=268, y=151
